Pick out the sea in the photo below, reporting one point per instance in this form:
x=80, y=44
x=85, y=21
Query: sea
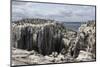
x=72, y=25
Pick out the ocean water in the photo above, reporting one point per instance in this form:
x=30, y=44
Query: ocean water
x=72, y=25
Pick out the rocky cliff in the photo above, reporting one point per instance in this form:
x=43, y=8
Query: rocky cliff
x=51, y=42
x=44, y=38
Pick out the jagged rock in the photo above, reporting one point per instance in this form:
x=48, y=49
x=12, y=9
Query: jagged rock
x=89, y=37
x=85, y=40
x=66, y=42
x=56, y=59
x=50, y=59
x=61, y=57
x=49, y=42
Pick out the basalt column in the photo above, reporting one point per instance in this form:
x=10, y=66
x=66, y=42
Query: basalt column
x=48, y=40
x=26, y=39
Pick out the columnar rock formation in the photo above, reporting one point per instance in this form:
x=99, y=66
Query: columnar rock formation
x=44, y=38
x=49, y=40
x=49, y=36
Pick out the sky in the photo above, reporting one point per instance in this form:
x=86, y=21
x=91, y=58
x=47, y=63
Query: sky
x=58, y=12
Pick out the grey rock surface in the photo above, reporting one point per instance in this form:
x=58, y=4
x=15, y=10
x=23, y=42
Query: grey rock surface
x=39, y=41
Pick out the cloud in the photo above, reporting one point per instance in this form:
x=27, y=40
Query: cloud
x=58, y=12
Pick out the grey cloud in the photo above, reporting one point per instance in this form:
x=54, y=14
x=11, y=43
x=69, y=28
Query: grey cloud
x=53, y=11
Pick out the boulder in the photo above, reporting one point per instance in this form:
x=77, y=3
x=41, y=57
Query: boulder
x=84, y=56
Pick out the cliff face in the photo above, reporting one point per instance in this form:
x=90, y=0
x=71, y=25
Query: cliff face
x=52, y=42
x=44, y=38
x=49, y=40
